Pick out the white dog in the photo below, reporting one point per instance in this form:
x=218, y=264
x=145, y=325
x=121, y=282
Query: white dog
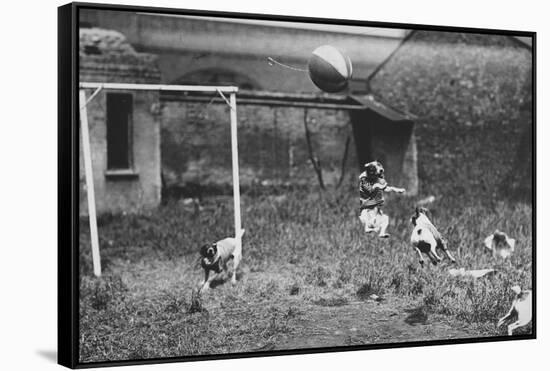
x=520, y=311
x=215, y=257
x=374, y=220
x=425, y=238
x=500, y=244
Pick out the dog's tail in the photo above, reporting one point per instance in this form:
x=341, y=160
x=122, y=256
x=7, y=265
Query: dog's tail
x=241, y=233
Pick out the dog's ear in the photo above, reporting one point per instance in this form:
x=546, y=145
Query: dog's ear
x=203, y=249
x=416, y=211
x=426, y=212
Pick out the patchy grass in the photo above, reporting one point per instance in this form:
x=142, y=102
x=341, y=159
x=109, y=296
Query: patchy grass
x=306, y=256
x=332, y=301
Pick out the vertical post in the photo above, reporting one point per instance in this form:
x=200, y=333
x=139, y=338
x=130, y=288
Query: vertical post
x=235, y=162
x=89, y=182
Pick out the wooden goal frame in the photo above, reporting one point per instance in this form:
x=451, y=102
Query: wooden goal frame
x=88, y=168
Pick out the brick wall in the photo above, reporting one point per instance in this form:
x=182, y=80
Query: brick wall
x=196, y=146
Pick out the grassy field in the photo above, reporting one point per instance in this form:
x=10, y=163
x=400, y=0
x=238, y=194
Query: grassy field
x=306, y=278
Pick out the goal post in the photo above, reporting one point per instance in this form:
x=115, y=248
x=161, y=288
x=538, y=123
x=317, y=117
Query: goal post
x=87, y=155
x=88, y=171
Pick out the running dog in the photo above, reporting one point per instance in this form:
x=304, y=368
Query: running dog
x=372, y=186
x=216, y=256
x=425, y=238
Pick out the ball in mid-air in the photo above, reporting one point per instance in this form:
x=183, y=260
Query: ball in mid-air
x=329, y=69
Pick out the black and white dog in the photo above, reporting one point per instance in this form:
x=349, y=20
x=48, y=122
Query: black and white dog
x=520, y=313
x=425, y=238
x=216, y=256
x=500, y=244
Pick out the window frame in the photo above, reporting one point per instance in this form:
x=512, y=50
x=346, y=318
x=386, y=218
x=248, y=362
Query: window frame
x=128, y=171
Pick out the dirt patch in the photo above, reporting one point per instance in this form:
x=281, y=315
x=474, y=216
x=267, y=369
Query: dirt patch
x=363, y=323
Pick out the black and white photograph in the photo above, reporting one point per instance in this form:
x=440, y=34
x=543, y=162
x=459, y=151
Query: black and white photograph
x=254, y=185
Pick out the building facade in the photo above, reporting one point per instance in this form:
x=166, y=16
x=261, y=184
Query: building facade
x=181, y=141
x=224, y=51
x=279, y=135
x=124, y=125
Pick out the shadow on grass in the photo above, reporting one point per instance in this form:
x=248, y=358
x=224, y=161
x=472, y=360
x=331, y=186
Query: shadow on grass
x=225, y=279
x=417, y=316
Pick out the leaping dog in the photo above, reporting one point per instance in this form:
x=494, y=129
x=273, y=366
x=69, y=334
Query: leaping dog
x=372, y=187
x=425, y=238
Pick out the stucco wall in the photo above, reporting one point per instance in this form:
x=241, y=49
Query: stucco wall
x=127, y=193
x=186, y=44
x=106, y=56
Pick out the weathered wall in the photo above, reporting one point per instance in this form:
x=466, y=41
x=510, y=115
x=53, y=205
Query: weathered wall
x=272, y=146
x=196, y=144
x=472, y=94
x=134, y=193
x=188, y=44
x=106, y=56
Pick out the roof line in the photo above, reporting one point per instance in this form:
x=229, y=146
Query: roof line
x=370, y=31
x=374, y=103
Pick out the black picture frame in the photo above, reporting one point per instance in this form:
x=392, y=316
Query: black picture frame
x=68, y=189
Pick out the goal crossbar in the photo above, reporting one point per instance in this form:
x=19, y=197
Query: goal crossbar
x=231, y=102
x=159, y=87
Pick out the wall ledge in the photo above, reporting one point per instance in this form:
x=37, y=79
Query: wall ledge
x=121, y=174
